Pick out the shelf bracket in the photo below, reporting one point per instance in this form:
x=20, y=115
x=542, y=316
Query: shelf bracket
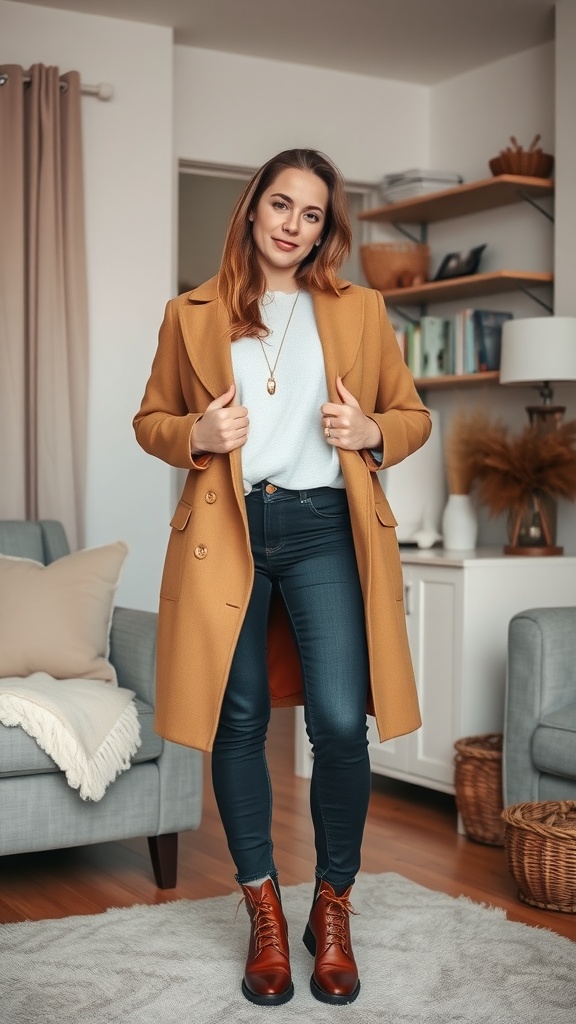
x=406, y=316
x=421, y=237
x=532, y=202
x=535, y=298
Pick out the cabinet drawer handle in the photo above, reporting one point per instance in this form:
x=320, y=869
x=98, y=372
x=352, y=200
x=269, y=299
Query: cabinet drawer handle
x=407, y=596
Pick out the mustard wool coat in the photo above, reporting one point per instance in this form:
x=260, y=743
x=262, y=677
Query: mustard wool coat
x=208, y=571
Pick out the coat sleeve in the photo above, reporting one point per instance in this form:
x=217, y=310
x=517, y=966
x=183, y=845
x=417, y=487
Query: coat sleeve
x=163, y=424
x=403, y=419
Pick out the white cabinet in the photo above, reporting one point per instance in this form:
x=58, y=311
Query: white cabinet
x=457, y=612
x=434, y=602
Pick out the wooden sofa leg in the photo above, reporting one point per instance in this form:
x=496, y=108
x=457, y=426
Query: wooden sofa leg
x=164, y=857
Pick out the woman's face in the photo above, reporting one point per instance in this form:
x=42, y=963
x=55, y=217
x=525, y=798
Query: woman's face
x=287, y=223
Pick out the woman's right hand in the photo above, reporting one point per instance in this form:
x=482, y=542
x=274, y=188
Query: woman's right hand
x=222, y=427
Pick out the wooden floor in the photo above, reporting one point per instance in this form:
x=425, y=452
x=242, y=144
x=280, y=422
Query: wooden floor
x=410, y=830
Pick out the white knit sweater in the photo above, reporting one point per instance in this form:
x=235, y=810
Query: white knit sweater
x=286, y=443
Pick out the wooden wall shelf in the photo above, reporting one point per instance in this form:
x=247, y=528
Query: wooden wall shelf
x=475, y=197
x=456, y=288
x=450, y=380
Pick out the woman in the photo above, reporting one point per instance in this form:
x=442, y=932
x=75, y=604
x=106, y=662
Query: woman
x=282, y=390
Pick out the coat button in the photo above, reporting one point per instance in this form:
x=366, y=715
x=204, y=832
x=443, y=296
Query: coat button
x=200, y=551
x=210, y=497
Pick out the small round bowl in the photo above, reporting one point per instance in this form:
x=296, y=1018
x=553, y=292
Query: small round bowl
x=528, y=163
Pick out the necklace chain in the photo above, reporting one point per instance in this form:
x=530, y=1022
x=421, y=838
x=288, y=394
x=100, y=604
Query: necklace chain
x=271, y=382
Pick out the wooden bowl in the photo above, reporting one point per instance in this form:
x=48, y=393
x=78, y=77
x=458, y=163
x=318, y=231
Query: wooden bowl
x=395, y=264
x=526, y=163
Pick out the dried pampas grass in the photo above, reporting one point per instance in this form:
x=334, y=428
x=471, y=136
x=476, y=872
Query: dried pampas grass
x=507, y=470
x=460, y=445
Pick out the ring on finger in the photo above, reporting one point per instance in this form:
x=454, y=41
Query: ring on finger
x=327, y=432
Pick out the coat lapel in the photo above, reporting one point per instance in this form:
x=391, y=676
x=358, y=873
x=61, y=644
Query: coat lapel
x=340, y=321
x=206, y=332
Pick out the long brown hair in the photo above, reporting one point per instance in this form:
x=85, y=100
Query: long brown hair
x=241, y=282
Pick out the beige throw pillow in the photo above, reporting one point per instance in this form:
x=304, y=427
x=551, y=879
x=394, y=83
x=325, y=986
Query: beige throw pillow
x=56, y=618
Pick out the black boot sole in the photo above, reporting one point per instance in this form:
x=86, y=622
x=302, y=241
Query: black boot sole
x=272, y=1000
x=327, y=997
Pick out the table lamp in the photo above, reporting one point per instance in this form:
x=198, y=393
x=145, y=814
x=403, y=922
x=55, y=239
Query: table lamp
x=539, y=351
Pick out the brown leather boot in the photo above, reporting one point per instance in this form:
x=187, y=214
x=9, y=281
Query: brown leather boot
x=267, y=978
x=327, y=937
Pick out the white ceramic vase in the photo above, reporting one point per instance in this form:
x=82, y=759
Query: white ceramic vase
x=459, y=523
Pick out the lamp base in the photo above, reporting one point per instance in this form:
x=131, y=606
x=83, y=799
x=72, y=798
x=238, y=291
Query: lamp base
x=516, y=549
x=532, y=526
x=546, y=417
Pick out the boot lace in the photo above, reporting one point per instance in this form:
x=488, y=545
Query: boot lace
x=264, y=924
x=337, y=912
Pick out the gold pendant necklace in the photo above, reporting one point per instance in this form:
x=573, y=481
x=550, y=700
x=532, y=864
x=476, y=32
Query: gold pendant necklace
x=271, y=382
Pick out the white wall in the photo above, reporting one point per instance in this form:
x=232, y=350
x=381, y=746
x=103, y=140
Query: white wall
x=472, y=117
x=241, y=110
x=130, y=181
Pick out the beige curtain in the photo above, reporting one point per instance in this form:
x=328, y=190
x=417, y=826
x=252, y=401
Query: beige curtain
x=43, y=299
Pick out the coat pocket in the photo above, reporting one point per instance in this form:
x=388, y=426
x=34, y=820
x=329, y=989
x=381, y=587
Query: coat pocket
x=389, y=545
x=385, y=513
x=175, y=553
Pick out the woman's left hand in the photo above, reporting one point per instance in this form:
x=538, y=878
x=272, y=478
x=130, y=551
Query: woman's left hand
x=346, y=426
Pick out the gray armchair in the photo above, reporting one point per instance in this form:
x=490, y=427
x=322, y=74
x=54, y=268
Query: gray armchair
x=161, y=793
x=539, y=751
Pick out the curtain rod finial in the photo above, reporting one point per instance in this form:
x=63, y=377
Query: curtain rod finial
x=105, y=91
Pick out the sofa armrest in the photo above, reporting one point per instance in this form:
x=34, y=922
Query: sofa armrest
x=133, y=654
x=133, y=650
x=541, y=678
x=180, y=770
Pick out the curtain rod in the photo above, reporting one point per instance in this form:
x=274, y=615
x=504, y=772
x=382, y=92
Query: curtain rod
x=103, y=91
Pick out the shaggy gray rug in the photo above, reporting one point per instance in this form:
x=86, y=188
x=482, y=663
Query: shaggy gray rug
x=424, y=958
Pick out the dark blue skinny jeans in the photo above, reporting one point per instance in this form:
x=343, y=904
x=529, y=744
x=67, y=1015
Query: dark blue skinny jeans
x=302, y=546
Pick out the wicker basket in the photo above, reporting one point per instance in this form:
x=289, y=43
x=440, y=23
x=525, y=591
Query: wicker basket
x=540, y=842
x=531, y=163
x=395, y=264
x=478, y=781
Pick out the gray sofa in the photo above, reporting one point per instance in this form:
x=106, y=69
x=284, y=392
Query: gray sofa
x=539, y=753
x=161, y=793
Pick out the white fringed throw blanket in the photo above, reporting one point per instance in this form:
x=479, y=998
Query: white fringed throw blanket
x=88, y=727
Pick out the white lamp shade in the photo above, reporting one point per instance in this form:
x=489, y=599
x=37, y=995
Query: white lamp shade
x=538, y=350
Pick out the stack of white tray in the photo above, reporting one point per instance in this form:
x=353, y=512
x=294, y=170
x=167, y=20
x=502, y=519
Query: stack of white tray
x=416, y=182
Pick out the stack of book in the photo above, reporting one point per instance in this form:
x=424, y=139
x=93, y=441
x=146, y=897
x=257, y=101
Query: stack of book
x=468, y=342
x=416, y=182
